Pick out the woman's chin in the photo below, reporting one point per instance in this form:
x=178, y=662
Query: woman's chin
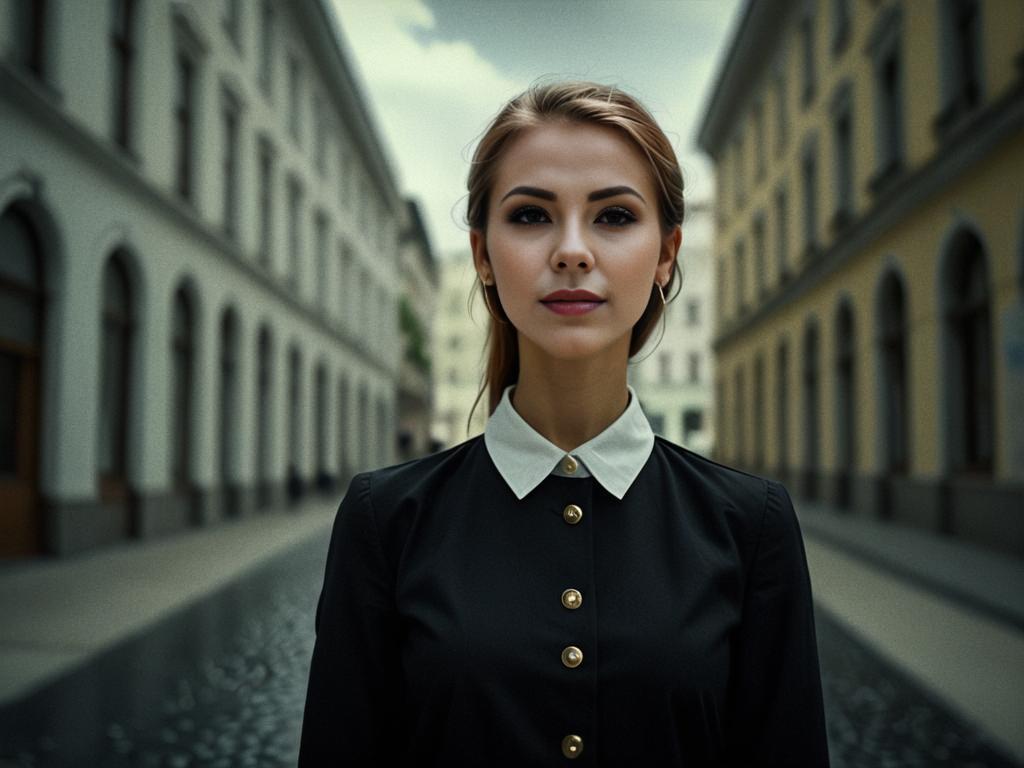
x=574, y=344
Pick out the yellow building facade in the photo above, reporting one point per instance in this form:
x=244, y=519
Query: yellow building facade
x=869, y=256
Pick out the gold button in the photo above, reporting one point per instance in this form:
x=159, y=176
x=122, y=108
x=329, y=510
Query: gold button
x=572, y=656
x=572, y=599
x=572, y=745
x=572, y=514
x=569, y=464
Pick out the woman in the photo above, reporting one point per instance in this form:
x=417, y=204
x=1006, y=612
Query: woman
x=567, y=587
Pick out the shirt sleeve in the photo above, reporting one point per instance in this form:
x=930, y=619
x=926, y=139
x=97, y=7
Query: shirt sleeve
x=777, y=715
x=353, y=694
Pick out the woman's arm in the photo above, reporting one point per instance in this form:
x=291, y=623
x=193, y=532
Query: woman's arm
x=353, y=699
x=776, y=715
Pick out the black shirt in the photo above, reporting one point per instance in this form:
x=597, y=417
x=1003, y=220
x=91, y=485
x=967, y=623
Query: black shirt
x=442, y=635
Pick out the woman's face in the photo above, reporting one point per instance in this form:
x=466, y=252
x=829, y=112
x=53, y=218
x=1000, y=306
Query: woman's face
x=574, y=208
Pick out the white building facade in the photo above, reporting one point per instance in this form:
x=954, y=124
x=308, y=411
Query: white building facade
x=417, y=308
x=460, y=333
x=674, y=371
x=199, y=231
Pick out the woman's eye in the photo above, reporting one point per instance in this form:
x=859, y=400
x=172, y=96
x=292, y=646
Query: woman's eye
x=528, y=215
x=616, y=217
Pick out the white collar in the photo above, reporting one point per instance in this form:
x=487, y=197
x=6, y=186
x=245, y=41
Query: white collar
x=524, y=457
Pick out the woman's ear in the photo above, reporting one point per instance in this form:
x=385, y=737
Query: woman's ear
x=669, y=251
x=478, y=245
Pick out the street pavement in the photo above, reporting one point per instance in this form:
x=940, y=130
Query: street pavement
x=215, y=675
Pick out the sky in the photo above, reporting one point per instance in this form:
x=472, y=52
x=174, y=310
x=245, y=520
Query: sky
x=437, y=71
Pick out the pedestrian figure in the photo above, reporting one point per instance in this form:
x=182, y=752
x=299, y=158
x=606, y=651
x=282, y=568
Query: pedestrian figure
x=567, y=586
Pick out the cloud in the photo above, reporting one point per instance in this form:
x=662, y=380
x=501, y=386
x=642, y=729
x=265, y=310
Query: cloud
x=432, y=99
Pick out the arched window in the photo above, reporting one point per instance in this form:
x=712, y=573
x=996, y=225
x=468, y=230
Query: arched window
x=384, y=439
x=323, y=477
x=182, y=377
x=845, y=426
x=21, y=324
x=969, y=373
x=782, y=408
x=343, y=458
x=228, y=409
x=364, y=427
x=893, y=356
x=740, y=414
x=811, y=400
x=295, y=486
x=264, y=400
x=115, y=380
x=759, y=412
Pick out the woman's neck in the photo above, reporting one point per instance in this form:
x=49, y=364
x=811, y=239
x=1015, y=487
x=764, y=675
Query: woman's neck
x=570, y=401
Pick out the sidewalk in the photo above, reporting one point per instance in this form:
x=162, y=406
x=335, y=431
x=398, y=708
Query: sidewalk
x=947, y=613
x=59, y=613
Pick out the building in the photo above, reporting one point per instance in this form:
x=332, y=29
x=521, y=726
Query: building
x=417, y=307
x=674, y=371
x=460, y=336
x=870, y=257
x=199, y=232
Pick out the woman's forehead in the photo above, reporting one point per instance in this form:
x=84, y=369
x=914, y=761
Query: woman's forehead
x=573, y=154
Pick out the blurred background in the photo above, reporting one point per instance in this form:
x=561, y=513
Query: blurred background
x=234, y=272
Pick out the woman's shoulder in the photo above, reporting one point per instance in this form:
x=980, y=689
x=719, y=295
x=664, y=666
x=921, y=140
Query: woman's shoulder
x=714, y=471
x=421, y=477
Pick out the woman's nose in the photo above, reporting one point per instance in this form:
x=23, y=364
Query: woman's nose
x=572, y=251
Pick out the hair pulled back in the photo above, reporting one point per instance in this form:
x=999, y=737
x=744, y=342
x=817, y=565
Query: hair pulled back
x=581, y=102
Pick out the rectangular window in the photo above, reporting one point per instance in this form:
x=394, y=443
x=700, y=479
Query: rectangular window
x=122, y=40
x=294, y=232
x=759, y=437
x=693, y=421
x=233, y=22
x=960, y=44
x=840, y=25
x=760, y=268
x=229, y=150
x=809, y=173
x=693, y=368
x=721, y=287
x=738, y=172
x=759, y=140
x=657, y=421
x=782, y=234
x=294, y=98
x=781, y=112
x=781, y=392
x=739, y=428
x=844, y=170
x=183, y=124
x=807, y=46
x=885, y=51
x=266, y=202
x=665, y=368
x=321, y=260
x=692, y=312
x=319, y=136
x=31, y=22
x=741, y=279
x=266, y=76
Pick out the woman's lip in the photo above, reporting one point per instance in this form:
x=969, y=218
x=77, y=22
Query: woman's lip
x=571, y=307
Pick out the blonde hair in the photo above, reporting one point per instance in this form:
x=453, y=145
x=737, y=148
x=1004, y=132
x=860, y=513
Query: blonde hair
x=581, y=102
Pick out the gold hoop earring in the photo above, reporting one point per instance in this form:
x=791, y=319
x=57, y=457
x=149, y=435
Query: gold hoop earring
x=661, y=292
x=487, y=302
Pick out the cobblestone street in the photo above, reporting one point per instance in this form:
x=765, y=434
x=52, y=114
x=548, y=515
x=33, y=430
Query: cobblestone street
x=223, y=682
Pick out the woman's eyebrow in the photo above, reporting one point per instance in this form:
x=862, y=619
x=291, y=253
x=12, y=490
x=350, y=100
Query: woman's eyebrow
x=599, y=194
x=532, y=192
